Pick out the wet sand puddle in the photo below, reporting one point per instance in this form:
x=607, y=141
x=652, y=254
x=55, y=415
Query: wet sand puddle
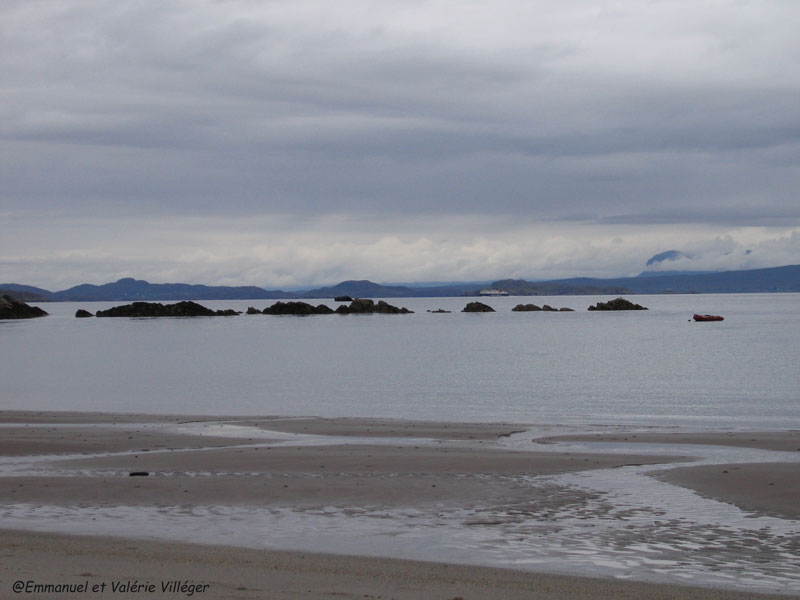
x=612, y=522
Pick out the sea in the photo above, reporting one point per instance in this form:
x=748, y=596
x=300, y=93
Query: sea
x=654, y=367
x=554, y=372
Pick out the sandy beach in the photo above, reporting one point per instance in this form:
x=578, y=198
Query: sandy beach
x=83, y=461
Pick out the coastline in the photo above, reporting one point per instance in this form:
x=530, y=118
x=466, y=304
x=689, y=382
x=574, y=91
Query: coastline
x=327, y=469
x=248, y=574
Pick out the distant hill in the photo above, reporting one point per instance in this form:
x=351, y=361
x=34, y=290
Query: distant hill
x=776, y=279
x=368, y=289
x=24, y=296
x=25, y=293
x=136, y=289
x=520, y=287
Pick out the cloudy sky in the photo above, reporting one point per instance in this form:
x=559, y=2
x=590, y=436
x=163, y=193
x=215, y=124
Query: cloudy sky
x=301, y=142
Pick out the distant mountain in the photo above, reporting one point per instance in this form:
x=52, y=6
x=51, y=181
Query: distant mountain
x=25, y=293
x=669, y=255
x=361, y=289
x=776, y=279
x=520, y=287
x=368, y=289
x=130, y=289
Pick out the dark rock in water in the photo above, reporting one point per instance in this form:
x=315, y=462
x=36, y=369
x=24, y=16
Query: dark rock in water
x=363, y=306
x=439, y=310
x=155, y=309
x=83, y=314
x=343, y=299
x=565, y=309
x=533, y=307
x=11, y=308
x=297, y=308
x=253, y=311
x=526, y=308
x=138, y=474
x=617, y=304
x=477, y=307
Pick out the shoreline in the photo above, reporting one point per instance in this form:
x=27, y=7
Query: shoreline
x=353, y=471
x=245, y=574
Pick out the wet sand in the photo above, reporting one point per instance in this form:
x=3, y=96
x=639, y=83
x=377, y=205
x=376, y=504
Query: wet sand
x=245, y=574
x=461, y=467
x=761, y=488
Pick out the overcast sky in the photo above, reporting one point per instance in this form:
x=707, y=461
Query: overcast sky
x=295, y=143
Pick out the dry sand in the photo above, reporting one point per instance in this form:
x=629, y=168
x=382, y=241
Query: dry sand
x=463, y=469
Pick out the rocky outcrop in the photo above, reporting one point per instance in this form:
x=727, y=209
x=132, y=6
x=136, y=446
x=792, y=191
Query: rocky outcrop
x=297, y=308
x=251, y=310
x=526, y=308
x=83, y=314
x=363, y=306
x=617, y=304
x=155, y=309
x=439, y=310
x=11, y=308
x=533, y=308
x=477, y=307
x=343, y=299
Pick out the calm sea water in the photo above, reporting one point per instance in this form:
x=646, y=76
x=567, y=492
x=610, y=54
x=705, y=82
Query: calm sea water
x=649, y=367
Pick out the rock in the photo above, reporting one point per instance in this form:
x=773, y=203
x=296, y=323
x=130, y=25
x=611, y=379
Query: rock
x=251, y=310
x=548, y=308
x=343, y=299
x=617, y=304
x=477, y=307
x=83, y=314
x=138, y=474
x=364, y=306
x=565, y=309
x=297, y=308
x=439, y=310
x=525, y=308
x=155, y=309
x=11, y=308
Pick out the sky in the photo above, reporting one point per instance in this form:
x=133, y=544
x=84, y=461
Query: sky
x=299, y=143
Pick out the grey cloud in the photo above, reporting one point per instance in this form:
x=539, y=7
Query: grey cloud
x=545, y=112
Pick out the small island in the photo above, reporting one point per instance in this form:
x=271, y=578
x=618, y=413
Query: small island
x=156, y=309
x=617, y=304
x=300, y=309
x=534, y=308
x=362, y=306
x=477, y=307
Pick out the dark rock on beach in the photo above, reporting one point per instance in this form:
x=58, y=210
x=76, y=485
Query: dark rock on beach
x=297, y=308
x=155, y=309
x=11, y=308
x=83, y=314
x=363, y=306
x=617, y=304
x=477, y=307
